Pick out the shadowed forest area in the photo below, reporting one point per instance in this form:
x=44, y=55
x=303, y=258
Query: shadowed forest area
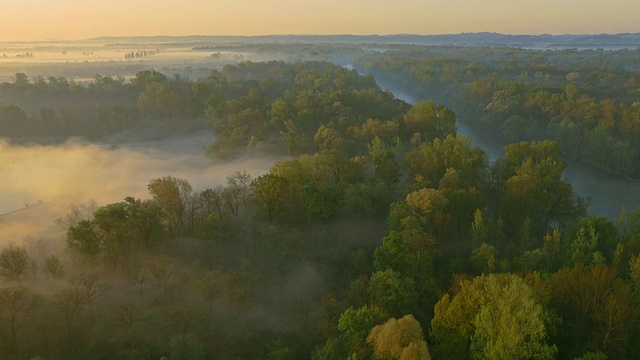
x=378, y=233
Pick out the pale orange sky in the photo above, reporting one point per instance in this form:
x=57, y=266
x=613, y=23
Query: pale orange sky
x=26, y=20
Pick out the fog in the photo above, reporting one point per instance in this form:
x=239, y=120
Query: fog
x=38, y=183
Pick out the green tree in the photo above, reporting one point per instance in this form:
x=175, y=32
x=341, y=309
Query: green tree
x=83, y=239
x=393, y=293
x=385, y=167
x=429, y=163
x=172, y=195
x=430, y=120
x=355, y=325
x=158, y=101
x=21, y=80
x=496, y=316
x=529, y=184
x=53, y=266
x=270, y=193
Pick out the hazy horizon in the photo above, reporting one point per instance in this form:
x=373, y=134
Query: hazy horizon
x=39, y=20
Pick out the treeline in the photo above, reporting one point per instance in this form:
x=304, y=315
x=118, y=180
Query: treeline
x=143, y=53
x=265, y=100
x=474, y=260
x=60, y=107
x=584, y=100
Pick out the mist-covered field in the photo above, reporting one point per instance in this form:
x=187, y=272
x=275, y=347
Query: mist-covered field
x=80, y=61
x=38, y=183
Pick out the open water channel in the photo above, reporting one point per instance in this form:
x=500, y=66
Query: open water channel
x=609, y=193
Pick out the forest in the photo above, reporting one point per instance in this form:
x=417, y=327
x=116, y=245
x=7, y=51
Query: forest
x=382, y=233
x=585, y=100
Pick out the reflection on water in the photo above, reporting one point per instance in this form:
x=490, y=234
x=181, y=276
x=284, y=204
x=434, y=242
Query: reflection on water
x=609, y=193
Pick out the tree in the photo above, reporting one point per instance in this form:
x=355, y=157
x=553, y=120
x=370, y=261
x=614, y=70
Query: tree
x=83, y=239
x=429, y=210
x=484, y=259
x=163, y=275
x=21, y=80
x=429, y=163
x=173, y=195
x=113, y=228
x=53, y=266
x=529, y=184
x=399, y=339
x=597, y=307
x=393, y=293
x=17, y=302
x=355, y=325
x=430, y=120
x=385, y=167
x=510, y=324
x=90, y=288
x=158, y=101
x=70, y=304
x=77, y=213
x=497, y=316
x=240, y=182
x=117, y=230
x=270, y=192
x=146, y=77
x=14, y=261
x=127, y=316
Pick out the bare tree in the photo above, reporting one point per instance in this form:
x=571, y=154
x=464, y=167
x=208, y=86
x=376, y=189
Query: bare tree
x=140, y=279
x=240, y=182
x=14, y=261
x=70, y=304
x=77, y=213
x=90, y=288
x=163, y=275
x=18, y=301
x=126, y=316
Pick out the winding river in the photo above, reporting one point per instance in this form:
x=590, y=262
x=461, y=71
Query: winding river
x=609, y=193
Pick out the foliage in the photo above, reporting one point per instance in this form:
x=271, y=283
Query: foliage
x=494, y=260
x=399, y=339
x=498, y=316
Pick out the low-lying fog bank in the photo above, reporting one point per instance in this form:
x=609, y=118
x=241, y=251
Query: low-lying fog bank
x=38, y=183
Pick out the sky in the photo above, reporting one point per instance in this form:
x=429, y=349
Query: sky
x=32, y=20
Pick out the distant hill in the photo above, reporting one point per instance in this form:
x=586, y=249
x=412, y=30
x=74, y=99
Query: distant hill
x=464, y=39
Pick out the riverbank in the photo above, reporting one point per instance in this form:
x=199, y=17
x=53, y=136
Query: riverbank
x=609, y=193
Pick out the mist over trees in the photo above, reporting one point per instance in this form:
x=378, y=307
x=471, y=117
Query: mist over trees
x=384, y=234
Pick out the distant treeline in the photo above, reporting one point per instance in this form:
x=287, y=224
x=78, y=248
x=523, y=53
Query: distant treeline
x=587, y=101
x=143, y=53
x=249, y=104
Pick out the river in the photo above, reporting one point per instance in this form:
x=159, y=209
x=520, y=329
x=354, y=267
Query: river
x=609, y=193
